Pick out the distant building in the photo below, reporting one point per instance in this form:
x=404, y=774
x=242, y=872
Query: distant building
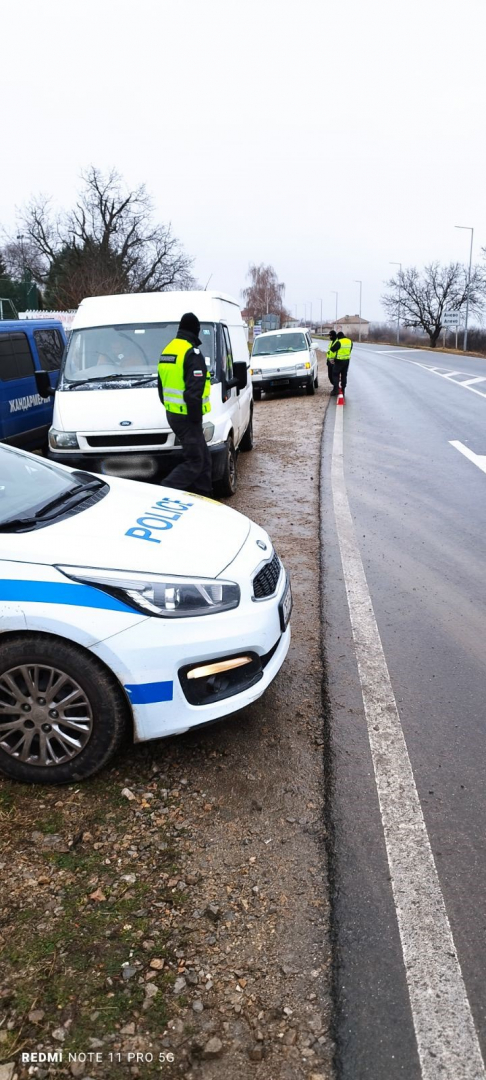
x=350, y=326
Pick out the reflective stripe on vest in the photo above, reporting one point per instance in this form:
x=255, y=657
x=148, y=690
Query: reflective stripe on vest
x=171, y=372
x=345, y=346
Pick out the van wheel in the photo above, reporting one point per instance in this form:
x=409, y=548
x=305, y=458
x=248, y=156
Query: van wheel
x=226, y=486
x=257, y=394
x=316, y=382
x=62, y=715
x=310, y=386
x=247, y=440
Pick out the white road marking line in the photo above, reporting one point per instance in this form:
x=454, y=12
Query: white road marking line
x=447, y=1041
x=469, y=382
x=435, y=371
x=477, y=459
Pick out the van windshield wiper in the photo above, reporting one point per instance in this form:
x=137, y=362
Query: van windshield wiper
x=114, y=375
x=67, y=500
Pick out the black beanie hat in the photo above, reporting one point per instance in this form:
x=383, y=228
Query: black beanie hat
x=191, y=323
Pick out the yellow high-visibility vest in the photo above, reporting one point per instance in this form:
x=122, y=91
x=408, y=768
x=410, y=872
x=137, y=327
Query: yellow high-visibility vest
x=345, y=346
x=171, y=372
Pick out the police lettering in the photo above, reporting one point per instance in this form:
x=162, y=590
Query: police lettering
x=159, y=517
x=21, y=404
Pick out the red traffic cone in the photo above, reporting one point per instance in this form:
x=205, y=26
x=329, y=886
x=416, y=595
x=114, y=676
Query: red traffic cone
x=340, y=399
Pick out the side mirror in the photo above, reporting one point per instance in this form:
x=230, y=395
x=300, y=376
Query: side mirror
x=240, y=374
x=43, y=384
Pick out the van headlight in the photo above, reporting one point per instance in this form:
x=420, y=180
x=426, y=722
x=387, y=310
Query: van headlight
x=208, y=430
x=256, y=371
x=167, y=596
x=63, y=440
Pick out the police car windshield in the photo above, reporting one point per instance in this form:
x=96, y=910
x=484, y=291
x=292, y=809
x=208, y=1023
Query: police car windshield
x=27, y=484
x=128, y=351
x=279, y=343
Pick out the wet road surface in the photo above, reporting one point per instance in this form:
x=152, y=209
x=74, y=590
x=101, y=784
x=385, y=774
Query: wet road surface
x=419, y=511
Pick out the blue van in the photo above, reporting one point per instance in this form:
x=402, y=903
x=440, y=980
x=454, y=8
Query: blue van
x=31, y=351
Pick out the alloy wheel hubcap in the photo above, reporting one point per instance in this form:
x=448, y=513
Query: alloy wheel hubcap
x=45, y=716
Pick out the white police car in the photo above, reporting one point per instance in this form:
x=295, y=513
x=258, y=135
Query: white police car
x=123, y=604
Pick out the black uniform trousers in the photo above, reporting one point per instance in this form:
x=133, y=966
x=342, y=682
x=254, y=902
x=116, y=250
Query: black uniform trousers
x=194, y=472
x=340, y=371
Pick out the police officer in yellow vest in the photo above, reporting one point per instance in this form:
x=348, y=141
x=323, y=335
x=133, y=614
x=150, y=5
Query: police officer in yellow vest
x=184, y=387
x=340, y=351
x=330, y=355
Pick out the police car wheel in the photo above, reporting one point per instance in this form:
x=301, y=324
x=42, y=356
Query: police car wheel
x=247, y=440
x=226, y=486
x=62, y=714
x=310, y=386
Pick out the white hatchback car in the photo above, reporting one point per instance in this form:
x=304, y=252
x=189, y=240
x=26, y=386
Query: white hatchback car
x=124, y=605
x=284, y=360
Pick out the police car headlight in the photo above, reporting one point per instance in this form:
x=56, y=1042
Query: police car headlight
x=63, y=440
x=169, y=597
x=208, y=430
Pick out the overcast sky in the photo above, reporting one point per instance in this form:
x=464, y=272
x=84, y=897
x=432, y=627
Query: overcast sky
x=324, y=138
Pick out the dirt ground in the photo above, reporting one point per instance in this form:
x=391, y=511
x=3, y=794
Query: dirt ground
x=176, y=905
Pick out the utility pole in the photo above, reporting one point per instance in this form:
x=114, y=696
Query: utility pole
x=399, y=298
x=360, y=283
x=468, y=280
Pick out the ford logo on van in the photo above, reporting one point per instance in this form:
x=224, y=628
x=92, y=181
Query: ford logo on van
x=125, y=423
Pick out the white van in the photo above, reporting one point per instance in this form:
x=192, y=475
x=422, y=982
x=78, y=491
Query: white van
x=284, y=360
x=107, y=414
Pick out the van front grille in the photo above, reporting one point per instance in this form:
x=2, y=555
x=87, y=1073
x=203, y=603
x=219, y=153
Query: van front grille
x=152, y=438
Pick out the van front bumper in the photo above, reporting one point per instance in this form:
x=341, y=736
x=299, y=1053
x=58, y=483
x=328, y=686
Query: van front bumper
x=282, y=381
x=137, y=465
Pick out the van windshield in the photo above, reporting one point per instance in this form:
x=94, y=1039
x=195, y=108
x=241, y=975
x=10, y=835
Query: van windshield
x=128, y=352
x=279, y=343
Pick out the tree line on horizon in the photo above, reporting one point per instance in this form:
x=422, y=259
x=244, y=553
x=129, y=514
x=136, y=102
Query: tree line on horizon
x=109, y=243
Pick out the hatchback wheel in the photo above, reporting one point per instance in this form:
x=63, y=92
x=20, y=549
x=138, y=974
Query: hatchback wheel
x=62, y=715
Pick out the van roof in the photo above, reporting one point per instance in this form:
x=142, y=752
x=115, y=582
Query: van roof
x=7, y=325
x=156, y=307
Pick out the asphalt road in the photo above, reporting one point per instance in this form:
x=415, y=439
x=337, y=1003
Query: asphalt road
x=418, y=505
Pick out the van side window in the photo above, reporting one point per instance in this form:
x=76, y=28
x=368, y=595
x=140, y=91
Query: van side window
x=227, y=354
x=15, y=357
x=50, y=348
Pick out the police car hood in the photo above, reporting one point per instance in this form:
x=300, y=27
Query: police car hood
x=142, y=527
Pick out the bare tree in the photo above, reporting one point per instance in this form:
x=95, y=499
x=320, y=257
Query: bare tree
x=264, y=294
x=21, y=259
x=419, y=300
x=107, y=243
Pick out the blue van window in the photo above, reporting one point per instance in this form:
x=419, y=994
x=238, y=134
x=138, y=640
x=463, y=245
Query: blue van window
x=50, y=347
x=15, y=357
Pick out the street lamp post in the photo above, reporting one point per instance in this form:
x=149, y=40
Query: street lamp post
x=399, y=298
x=360, y=283
x=333, y=291
x=471, y=230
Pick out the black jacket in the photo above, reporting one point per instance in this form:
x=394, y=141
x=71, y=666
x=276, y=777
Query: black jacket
x=195, y=371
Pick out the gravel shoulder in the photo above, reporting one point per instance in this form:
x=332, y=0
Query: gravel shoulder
x=177, y=904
